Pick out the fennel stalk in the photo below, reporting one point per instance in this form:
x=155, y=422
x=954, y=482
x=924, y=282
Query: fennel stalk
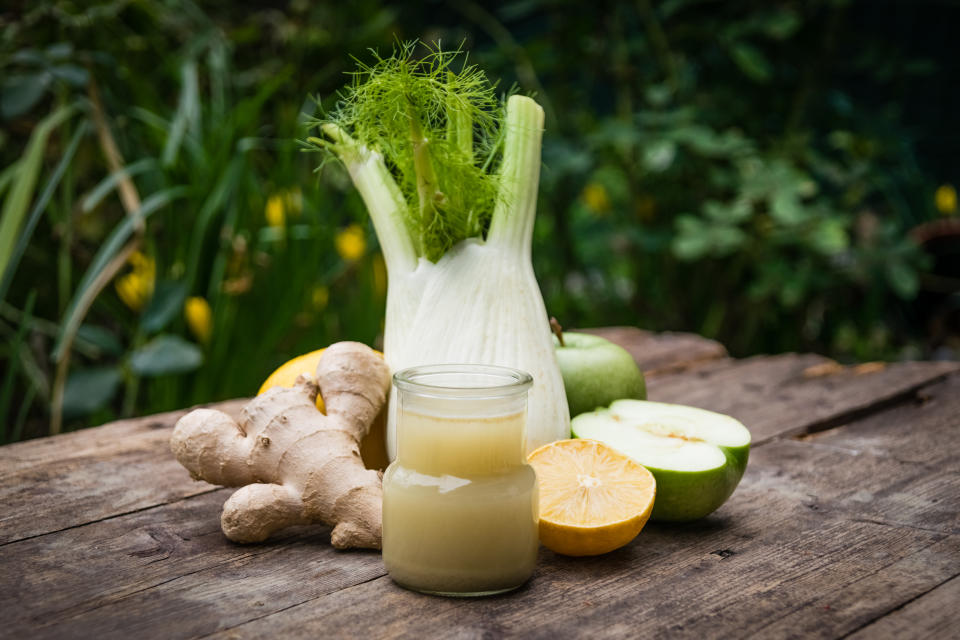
x=449, y=175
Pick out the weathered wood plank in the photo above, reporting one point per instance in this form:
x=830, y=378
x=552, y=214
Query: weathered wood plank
x=54, y=483
x=789, y=394
x=109, y=439
x=660, y=353
x=878, y=594
x=165, y=572
x=934, y=615
x=897, y=433
x=714, y=584
x=797, y=537
x=861, y=486
x=861, y=518
x=900, y=467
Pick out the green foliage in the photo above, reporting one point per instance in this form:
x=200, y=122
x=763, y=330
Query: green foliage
x=707, y=176
x=231, y=211
x=748, y=172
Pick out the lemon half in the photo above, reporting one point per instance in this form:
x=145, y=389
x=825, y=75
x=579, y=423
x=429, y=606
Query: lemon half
x=592, y=498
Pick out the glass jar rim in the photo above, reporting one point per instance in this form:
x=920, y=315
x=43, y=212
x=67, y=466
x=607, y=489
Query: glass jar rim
x=463, y=380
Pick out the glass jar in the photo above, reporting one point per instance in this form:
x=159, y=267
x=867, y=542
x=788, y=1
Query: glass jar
x=460, y=502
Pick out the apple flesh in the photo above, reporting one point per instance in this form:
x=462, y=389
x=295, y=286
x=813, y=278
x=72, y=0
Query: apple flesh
x=596, y=372
x=696, y=456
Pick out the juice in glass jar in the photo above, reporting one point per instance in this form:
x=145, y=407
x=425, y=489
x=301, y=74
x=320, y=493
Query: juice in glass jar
x=460, y=507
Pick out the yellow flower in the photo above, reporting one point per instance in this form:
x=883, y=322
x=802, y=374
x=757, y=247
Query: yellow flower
x=274, y=211
x=199, y=317
x=946, y=199
x=136, y=287
x=281, y=203
x=319, y=297
x=595, y=196
x=351, y=243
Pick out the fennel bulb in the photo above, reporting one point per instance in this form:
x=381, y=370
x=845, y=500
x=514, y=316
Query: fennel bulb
x=456, y=236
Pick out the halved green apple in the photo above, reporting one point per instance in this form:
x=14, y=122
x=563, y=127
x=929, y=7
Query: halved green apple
x=696, y=456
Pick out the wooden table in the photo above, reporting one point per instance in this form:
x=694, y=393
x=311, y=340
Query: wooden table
x=846, y=524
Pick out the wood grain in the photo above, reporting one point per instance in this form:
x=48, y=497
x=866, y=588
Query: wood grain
x=798, y=551
x=846, y=522
x=934, y=615
x=55, y=483
x=165, y=572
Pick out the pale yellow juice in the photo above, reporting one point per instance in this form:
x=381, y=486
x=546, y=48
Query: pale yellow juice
x=460, y=504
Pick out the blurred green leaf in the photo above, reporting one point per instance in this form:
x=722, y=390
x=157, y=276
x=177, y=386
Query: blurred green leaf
x=691, y=241
x=659, y=155
x=561, y=159
x=60, y=51
x=100, y=337
x=902, y=278
x=733, y=213
x=697, y=238
x=89, y=390
x=792, y=292
x=75, y=76
x=19, y=93
x=781, y=24
x=165, y=305
x=165, y=355
x=751, y=61
x=830, y=237
x=707, y=142
x=28, y=57
x=786, y=207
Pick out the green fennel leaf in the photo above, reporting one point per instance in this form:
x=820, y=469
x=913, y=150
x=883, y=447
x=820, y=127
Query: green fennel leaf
x=436, y=120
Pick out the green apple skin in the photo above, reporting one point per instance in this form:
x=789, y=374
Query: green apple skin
x=596, y=372
x=682, y=496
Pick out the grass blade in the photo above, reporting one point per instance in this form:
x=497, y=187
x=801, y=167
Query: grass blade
x=108, y=184
x=38, y=208
x=187, y=115
x=8, y=174
x=18, y=200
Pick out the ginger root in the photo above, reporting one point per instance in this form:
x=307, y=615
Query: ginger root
x=296, y=465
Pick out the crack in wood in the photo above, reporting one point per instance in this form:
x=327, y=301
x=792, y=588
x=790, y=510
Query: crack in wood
x=906, y=396
x=898, y=607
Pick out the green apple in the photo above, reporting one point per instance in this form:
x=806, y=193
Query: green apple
x=696, y=456
x=596, y=372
